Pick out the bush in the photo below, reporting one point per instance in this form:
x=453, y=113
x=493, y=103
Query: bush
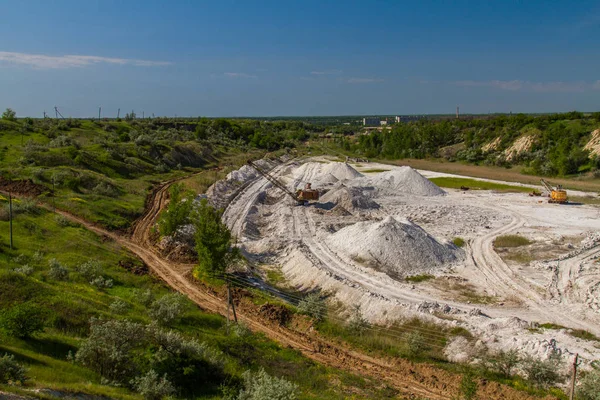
x=64, y=222
x=153, y=387
x=261, y=386
x=102, y=283
x=146, y=297
x=24, y=269
x=23, y=320
x=119, y=306
x=589, y=386
x=543, y=373
x=167, y=309
x=106, y=189
x=108, y=350
x=314, y=306
x=357, y=324
x=11, y=371
x=503, y=363
x=57, y=271
x=90, y=270
x=415, y=344
x=9, y=114
x=458, y=242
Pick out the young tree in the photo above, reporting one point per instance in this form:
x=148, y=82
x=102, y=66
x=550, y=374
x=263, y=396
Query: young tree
x=9, y=114
x=177, y=212
x=589, y=386
x=213, y=240
x=23, y=320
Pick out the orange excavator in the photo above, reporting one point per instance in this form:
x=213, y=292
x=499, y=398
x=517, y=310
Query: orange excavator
x=556, y=194
x=301, y=196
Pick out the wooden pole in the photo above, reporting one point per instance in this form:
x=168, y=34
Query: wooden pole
x=118, y=113
x=228, y=304
x=574, y=377
x=233, y=308
x=10, y=218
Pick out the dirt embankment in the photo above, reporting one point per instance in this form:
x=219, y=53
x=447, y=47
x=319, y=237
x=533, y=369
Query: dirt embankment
x=410, y=379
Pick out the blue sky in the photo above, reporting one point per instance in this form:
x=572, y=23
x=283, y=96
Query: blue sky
x=242, y=58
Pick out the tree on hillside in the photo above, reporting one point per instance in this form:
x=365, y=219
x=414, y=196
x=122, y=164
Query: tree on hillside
x=177, y=212
x=9, y=114
x=213, y=240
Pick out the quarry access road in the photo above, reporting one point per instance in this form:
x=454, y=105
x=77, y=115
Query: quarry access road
x=411, y=380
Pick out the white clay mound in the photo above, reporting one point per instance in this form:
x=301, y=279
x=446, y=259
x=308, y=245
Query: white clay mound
x=351, y=198
x=316, y=173
x=397, y=248
x=403, y=180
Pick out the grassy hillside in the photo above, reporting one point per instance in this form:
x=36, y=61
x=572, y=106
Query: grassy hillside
x=66, y=305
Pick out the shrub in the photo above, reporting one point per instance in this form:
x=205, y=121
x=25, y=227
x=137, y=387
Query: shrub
x=24, y=269
x=106, y=189
x=314, y=306
x=26, y=206
x=458, y=242
x=167, y=309
x=502, y=362
x=589, y=386
x=61, y=141
x=108, y=349
x=153, y=387
x=64, y=222
x=415, y=344
x=57, y=271
x=102, y=283
x=11, y=371
x=146, y=297
x=91, y=269
x=357, y=324
x=22, y=320
x=119, y=306
x=261, y=386
x=543, y=373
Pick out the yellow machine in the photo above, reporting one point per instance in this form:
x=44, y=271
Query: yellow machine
x=302, y=196
x=308, y=193
x=556, y=195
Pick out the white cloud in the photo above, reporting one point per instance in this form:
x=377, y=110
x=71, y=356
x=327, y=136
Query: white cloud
x=239, y=75
x=543, y=87
x=364, y=80
x=40, y=61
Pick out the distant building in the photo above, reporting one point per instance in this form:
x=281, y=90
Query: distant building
x=371, y=121
x=383, y=122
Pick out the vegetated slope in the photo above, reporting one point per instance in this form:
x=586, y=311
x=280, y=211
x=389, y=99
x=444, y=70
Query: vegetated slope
x=46, y=241
x=102, y=170
x=398, y=248
x=546, y=145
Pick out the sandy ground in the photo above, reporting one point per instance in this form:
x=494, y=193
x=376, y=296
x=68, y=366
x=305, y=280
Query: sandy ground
x=500, y=299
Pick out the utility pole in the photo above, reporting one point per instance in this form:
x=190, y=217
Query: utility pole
x=574, y=377
x=56, y=112
x=10, y=218
x=44, y=114
x=143, y=114
x=54, y=192
x=99, y=112
x=118, y=113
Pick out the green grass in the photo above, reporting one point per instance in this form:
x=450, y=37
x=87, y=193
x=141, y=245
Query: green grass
x=38, y=237
x=419, y=278
x=474, y=184
x=578, y=333
x=510, y=241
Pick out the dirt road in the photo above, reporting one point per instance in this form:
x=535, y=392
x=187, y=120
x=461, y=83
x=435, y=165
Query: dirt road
x=411, y=380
